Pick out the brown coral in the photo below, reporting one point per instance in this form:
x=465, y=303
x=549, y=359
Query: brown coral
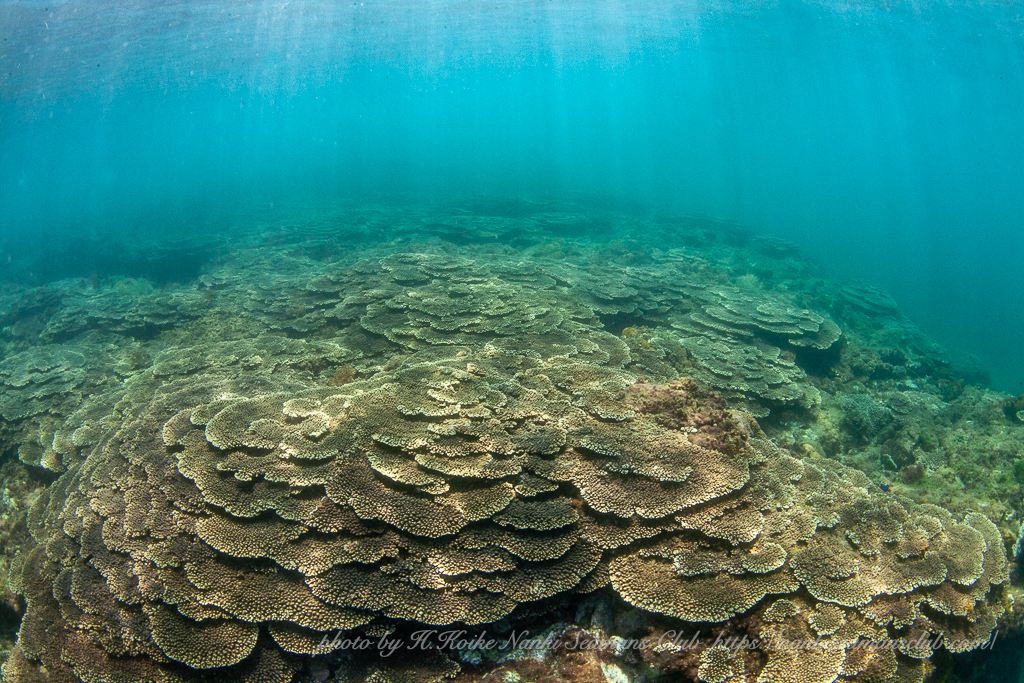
x=685, y=405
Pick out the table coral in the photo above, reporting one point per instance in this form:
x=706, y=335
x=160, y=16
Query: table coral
x=211, y=532
x=402, y=437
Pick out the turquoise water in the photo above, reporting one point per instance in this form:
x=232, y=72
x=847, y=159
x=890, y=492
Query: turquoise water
x=883, y=138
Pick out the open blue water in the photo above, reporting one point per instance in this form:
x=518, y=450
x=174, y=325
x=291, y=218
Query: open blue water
x=885, y=138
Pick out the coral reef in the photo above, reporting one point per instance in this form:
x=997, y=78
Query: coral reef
x=864, y=416
x=745, y=345
x=227, y=533
x=18, y=490
x=869, y=299
x=316, y=439
x=1013, y=408
x=685, y=405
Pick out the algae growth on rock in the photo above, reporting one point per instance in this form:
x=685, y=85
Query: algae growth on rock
x=496, y=451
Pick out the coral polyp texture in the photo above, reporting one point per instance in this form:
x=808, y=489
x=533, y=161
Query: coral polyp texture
x=403, y=439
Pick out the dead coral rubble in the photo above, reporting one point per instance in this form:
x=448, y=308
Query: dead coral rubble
x=685, y=405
